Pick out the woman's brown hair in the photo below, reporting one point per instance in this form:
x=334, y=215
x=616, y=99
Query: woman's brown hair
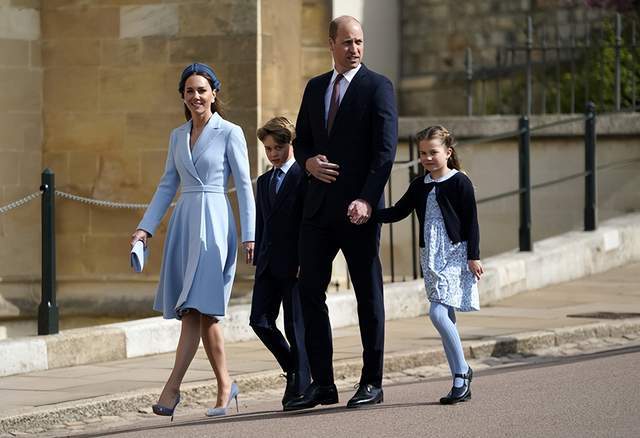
x=216, y=105
x=439, y=132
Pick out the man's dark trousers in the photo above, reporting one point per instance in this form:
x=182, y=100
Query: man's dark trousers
x=319, y=245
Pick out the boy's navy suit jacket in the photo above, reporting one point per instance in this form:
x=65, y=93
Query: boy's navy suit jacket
x=278, y=225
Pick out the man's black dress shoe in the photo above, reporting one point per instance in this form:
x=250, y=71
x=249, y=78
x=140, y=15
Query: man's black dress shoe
x=313, y=396
x=366, y=395
x=290, y=392
x=461, y=393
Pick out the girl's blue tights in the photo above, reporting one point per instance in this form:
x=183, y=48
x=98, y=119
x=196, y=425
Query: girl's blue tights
x=444, y=320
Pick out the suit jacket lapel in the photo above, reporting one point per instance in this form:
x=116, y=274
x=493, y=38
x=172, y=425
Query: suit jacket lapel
x=289, y=182
x=184, y=150
x=320, y=92
x=264, y=194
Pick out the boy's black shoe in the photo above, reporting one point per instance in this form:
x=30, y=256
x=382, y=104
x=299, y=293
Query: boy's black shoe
x=290, y=392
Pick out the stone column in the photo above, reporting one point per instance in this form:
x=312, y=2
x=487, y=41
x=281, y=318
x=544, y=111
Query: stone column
x=20, y=150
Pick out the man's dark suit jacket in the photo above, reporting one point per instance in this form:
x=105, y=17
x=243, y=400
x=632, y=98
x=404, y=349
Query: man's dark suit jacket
x=277, y=226
x=362, y=141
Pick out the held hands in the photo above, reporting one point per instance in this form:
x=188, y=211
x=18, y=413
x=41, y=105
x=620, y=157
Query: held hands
x=476, y=268
x=139, y=235
x=359, y=212
x=248, y=251
x=321, y=169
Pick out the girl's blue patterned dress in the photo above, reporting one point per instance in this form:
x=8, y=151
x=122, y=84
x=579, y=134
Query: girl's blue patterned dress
x=447, y=277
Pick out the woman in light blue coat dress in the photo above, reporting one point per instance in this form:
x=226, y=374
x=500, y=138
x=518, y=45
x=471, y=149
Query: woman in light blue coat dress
x=199, y=260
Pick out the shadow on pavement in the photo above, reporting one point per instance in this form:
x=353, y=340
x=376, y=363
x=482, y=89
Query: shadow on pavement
x=268, y=415
x=256, y=416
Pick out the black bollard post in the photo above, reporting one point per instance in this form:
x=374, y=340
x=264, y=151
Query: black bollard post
x=590, y=197
x=525, y=184
x=48, y=310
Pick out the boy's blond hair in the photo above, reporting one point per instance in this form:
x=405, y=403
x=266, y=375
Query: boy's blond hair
x=280, y=128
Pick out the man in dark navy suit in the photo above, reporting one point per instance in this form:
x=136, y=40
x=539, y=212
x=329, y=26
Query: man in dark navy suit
x=346, y=141
x=279, y=198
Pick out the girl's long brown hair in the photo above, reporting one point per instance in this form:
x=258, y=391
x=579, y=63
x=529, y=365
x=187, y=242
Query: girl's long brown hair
x=441, y=133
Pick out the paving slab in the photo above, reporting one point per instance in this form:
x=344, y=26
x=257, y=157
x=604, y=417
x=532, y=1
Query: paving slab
x=412, y=342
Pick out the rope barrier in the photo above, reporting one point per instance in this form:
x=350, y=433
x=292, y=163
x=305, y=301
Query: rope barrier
x=20, y=202
x=112, y=204
x=101, y=203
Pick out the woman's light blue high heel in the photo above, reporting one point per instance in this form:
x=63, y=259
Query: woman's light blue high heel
x=165, y=411
x=217, y=412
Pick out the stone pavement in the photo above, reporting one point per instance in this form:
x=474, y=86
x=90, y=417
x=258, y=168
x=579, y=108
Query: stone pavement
x=522, y=323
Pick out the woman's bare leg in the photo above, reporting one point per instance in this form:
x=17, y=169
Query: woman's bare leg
x=213, y=341
x=185, y=351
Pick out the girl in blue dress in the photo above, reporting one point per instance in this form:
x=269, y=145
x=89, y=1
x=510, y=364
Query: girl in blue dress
x=449, y=245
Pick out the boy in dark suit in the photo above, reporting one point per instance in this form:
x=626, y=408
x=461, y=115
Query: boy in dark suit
x=279, y=198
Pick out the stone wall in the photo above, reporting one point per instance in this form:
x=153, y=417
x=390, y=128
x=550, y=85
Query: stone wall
x=316, y=57
x=20, y=144
x=280, y=63
x=436, y=33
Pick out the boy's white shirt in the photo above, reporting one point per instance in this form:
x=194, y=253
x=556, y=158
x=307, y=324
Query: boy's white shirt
x=287, y=165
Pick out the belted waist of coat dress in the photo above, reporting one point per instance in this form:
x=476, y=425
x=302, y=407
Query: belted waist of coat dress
x=206, y=188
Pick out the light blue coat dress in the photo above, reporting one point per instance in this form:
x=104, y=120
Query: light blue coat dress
x=199, y=260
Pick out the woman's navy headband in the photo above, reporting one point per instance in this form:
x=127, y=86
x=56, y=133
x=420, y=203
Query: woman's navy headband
x=199, y=68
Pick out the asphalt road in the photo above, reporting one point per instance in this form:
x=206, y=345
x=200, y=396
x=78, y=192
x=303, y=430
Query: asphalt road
x=593, y=395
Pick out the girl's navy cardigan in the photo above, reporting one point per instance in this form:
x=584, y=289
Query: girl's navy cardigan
x=458, y=205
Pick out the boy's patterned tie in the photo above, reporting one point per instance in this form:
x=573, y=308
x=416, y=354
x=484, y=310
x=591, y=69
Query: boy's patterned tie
x=334, y=103
x=273, y=185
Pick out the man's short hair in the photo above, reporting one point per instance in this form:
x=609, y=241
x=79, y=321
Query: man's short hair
x=335, y=24
x=280, y=128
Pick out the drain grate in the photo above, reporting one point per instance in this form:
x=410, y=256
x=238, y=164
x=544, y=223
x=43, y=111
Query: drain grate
x=605, y=315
